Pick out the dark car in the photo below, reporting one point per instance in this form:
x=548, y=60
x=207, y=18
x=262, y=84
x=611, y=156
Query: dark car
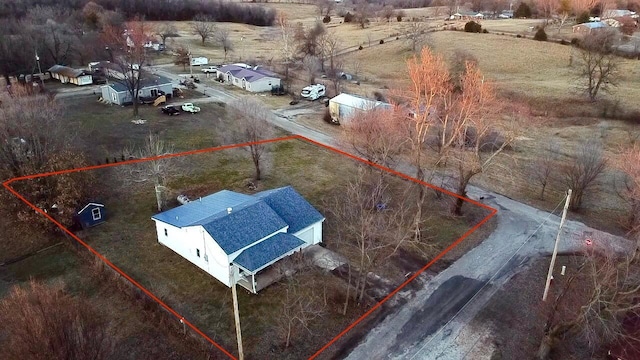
x=170, y=110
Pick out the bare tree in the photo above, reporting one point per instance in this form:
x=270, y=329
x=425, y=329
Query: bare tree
x=288, y=49
x=416, y=35
x=597, y=67
x=607, y=296
x=388, y=12
x=129, y=56
x=629, y=163
x=252, y=126
x=547, y=8
x=581, y=174
x=43, y=322
x=372, y=223
x=312, y=66
x=325, y=7
x=181, y=57
x=377, y=136
x=458, y=65
x=330, y=47
x=300, y=306
x=308, y=40
x=543, y=166
x=31, y=142
x=204, y=27
x=362, y=13
x=166, y=31
x=223, y=38
x=157, y=171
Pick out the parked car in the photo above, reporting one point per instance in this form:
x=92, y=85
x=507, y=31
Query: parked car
x=190, y=108
x=170, y=110
x=210, y=70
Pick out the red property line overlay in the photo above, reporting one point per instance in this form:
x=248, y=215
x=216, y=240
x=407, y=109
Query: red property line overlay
x=7, y=185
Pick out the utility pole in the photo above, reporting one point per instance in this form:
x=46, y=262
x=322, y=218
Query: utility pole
x=190, y=63
x=236, y=315
x=555, y=247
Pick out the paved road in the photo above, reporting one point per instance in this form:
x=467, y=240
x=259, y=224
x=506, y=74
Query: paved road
x=433, y=323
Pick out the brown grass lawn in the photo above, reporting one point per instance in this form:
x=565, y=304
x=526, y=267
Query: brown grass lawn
x=135, y=336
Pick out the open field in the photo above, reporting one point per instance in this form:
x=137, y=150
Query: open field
x=135, y=334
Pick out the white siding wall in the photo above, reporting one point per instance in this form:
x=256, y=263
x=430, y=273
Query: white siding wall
x=188, y=241
x=264, y=84
x=312, y=234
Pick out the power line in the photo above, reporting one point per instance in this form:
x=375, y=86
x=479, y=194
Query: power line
x=488, y=282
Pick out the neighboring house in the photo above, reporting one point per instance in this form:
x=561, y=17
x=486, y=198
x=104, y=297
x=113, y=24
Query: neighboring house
x=467, y=15
x=250, y=79
x=151, y=86
x=616, y=13
x=623, y=21
x=345, y=106
x=91, y=214
x=234, y=236
x=587, y=28
x=68, y=75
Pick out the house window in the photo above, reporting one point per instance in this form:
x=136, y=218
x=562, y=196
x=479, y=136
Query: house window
x=154, y=92
x=114, y=97
x=165, y=232
x=95, y=213
x=198, y=252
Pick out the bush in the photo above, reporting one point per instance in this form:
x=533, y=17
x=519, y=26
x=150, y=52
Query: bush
x=399, y=18
x=518, y=36
x=575, y=41
x=540, y=35
x=564, y=42
x=582, y=18
x=485, y=31
x=326, y=19
x=472, y=27
x=381, y=41
x=348, y=17
x=360, y=47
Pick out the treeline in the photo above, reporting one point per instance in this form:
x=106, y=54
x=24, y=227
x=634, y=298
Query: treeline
x=178, y=10
x=403, y=4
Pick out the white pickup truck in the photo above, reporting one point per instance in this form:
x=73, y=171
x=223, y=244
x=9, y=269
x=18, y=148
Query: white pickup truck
x=190, y=108
x=210, y=70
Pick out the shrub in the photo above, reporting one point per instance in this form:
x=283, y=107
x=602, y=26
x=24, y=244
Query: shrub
x=582, y=18
x=540, y=35
x=381, y=41
x=399, y=18
x=575, y=41
x=518, y=36
x=485, y=31
x=326, y=19
x=564, y=42
x=360, y=47
x=472, y=27
x=348, y=17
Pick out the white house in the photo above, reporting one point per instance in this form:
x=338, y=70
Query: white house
x=234, y=236
x=254, y=80
x=345, y=106
x=68, y=75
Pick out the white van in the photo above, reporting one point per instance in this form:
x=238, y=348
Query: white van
x=195, y=61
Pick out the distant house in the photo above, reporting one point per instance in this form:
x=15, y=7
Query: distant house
x=616, y=13
x=234, y=236
x=151, y=86
x=247, y=78
x=91, y=214
x=68, y=75
x=345, y=106
x=588, y=27
x=467, y=15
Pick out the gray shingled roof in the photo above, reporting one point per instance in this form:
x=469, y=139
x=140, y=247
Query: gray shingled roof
x=267, y=251
x=205, y=209
x=291, y=207
x=244, y=227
